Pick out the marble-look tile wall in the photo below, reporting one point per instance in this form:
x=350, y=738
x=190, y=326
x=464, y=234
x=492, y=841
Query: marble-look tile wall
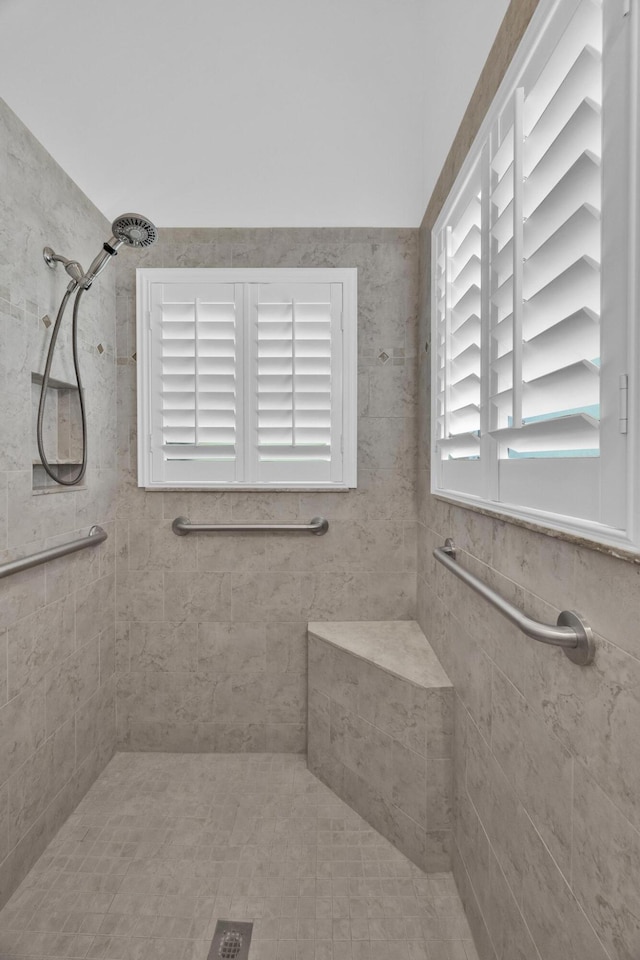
x=547, y=756
x=211, y=638
x=380, y=732
x=57, y=622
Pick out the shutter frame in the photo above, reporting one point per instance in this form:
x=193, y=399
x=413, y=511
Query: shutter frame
x=156, y=472
x=607, y=510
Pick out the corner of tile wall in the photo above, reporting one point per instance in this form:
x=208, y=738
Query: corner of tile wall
x=57, y=621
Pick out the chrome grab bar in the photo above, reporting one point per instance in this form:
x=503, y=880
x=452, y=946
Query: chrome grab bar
x=181, y=526
x=571, y=632
x=96, y=535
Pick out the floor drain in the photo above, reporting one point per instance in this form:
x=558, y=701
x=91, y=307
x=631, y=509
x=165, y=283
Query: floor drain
x=231, y=940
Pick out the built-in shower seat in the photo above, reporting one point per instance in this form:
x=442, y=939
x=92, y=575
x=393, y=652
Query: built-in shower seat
x=380, y=731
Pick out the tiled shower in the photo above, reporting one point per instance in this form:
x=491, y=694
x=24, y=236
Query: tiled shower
x=154, y=714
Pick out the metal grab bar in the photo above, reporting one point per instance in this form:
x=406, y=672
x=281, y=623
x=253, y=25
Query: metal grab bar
x=96, y=535
x=181, y=526
x=571, y=632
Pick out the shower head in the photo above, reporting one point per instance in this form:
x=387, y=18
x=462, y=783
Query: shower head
x=130, y=229
x=134, y=230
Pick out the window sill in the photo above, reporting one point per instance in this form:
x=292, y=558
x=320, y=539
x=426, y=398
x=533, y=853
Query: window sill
x=228, y=488
x=580, y=540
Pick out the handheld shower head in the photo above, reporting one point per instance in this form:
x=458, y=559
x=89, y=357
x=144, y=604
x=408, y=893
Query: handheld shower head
x=134, y=230
x=130, y=229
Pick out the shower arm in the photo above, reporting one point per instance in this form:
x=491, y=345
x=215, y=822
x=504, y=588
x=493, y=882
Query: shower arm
x=73, y=268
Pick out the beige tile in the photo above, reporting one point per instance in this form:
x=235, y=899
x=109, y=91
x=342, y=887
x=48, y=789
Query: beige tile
x=605, y=592
x=386, y=442
x=507, y=928
x=596, y=715
x=39, y=641
x=37, y=781
x=95, y=608
x=228, y=552
x=542, y=565
x=166, y=647
x=22, y=726
x=440, y=723
x=240, y=699
x=232, y=737
x=107, y=642
x=266, y=596
x=287, y=647
x=154, y=546
x=193, y=597
x=536, y=764
x=319, y=727
x=96, y=724
x=286, y=697
x=286, y=737
x=3, y=667
x=21, y=594
x=140, y=597
x=232, y=648
x=70, y=683
x=439, y=794
x=606, y=865
x=497, y=806
x=554, y=917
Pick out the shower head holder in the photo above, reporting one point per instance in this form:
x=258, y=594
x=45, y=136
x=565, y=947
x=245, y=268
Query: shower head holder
x=73, y=268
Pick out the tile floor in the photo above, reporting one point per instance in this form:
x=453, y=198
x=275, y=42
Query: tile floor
x=164, y=845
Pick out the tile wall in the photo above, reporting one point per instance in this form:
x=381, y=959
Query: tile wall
x=547, y=755
x=57, y=634
x=382, y=740
x=211, y=635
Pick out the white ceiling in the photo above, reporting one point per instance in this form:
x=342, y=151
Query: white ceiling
x=248, y=112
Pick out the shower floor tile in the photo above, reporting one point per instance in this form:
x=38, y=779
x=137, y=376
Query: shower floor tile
x=165, y=845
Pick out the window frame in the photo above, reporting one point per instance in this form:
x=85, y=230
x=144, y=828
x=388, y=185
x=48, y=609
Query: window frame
x=345, y=276
x=619, y=462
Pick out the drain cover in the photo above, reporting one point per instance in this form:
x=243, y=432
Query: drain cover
x=231, y=940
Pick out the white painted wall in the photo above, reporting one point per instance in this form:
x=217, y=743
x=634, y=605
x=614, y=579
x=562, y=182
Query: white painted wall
x=248, y=112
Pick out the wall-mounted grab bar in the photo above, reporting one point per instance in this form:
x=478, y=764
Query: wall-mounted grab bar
x=571, y=632
x=181, y=526
x=96, y=535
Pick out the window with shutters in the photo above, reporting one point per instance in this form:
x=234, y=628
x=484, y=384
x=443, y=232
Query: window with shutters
x=534, y=282
x=247, y=378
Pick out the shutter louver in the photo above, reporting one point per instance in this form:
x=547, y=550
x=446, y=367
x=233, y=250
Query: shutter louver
x=551, y=391
x=297, y=405
x=197, y=379
x=458, y=298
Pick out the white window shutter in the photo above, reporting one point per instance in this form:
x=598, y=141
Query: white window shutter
x=247, y=378
x=558, y=346
x=551, y=406
x=295, y=412
x=196, y=396
x=458, y=304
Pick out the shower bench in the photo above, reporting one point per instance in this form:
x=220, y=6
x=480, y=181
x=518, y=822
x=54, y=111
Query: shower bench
x=380, y=731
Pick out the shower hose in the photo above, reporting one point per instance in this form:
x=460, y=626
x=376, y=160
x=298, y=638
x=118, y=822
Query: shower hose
x=45, y=386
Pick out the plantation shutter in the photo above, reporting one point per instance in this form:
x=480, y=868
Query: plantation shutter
x=458, y=299
x=247, y=378
x=546, y=338
x=196, y=383
x=295, y=412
